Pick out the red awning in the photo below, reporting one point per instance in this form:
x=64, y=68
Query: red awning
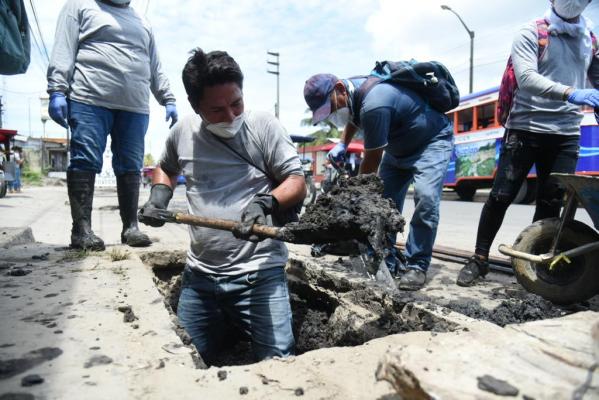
x=6, y=134
x=354, y=147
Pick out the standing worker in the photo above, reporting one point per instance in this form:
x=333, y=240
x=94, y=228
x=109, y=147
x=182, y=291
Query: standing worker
x=241, y=166
x=543, y=124
x=19, y=161
x=417, y=142
x=104, y=64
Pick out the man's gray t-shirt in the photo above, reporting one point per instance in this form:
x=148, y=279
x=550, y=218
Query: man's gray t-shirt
x=220, y=184
x=106, y=56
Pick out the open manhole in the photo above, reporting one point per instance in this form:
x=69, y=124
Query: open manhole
x=328, y=309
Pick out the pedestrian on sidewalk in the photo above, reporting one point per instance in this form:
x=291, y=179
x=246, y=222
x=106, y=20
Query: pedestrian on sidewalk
x=417, y=142
x=239, y=165
x=103, y=65
x=17, y=156
x=552, y=59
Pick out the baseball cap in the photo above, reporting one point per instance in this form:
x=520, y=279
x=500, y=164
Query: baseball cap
x=317, y=90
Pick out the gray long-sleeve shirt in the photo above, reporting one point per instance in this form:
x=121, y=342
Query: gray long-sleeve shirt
x=538, y=104
x=106, y=56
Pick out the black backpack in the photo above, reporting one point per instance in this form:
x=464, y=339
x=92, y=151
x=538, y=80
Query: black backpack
x=15, y=45
x=430, y=80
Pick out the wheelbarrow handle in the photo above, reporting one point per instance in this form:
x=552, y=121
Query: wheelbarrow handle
x=225, y=224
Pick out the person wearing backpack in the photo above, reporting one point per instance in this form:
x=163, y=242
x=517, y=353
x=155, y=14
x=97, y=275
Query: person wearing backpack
x=103, y=66
x=551, y=60
x=405, y=139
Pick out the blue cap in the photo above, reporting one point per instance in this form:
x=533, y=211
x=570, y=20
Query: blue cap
x=317, y=91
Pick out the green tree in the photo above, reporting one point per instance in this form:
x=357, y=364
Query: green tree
x=149, y=160
x=325, y=129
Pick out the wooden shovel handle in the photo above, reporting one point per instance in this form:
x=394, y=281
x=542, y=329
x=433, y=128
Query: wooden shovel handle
x=225, y=225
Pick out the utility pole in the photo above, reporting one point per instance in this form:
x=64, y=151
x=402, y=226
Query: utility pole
x=471, y=34
x=276, y=72
x=44, y=100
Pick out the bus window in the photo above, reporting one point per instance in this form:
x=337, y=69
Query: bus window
x=486, y=115
x=464, y=120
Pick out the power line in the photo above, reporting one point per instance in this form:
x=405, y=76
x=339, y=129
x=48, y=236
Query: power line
x=39, y=50
x=37, y=23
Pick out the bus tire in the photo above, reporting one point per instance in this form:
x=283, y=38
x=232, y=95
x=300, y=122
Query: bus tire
x=566, y=283
x=465, y=192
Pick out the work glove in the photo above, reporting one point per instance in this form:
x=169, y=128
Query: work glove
x=160, y=195
x=585, y=97
x=58, y=108
x=337, y=153
x=255, y=213
x=171, y=113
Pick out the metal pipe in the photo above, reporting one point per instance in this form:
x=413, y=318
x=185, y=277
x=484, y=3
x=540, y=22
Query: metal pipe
x=547, y=257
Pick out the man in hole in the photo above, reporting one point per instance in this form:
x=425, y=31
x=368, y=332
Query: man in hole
x=239, y=166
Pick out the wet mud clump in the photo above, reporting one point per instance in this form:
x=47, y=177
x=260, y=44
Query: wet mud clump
x=353, y=209
x=511, y=311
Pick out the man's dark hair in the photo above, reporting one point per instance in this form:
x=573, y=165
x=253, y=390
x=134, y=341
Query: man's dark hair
x=204, y=70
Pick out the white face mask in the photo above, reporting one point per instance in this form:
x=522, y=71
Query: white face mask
x=226, y=130
x=340, y=117
x=569, y=9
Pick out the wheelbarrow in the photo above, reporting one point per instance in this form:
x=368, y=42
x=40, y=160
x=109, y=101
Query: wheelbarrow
x=558, y=258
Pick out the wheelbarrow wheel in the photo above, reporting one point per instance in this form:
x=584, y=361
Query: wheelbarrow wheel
x=564, y=283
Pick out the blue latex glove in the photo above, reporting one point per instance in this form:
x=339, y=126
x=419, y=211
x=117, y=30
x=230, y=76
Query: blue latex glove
x=337, y=153
x=171, y=113
x=585, y=97
x=58, y=108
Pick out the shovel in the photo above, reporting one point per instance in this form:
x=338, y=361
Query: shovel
x=371, y=266
x=262, y=231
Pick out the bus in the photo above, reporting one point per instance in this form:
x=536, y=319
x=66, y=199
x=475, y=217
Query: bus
x=478, y=137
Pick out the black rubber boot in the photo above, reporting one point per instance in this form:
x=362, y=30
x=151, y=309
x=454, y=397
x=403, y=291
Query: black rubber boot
x=475, y=268
x=81, y=195
x=414, y=279
x=127, y=187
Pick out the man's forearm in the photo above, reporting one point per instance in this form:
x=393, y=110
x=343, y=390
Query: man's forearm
x=290, y=192
x=348, y=133
x=372, y=160
x=161, y=177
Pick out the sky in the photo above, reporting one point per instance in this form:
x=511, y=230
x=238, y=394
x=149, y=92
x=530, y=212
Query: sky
x=343, y=37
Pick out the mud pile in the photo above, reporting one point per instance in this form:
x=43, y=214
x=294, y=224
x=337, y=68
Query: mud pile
x=510, y=311
x=353, y=209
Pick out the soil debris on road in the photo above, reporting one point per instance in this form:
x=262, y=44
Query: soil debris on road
x=128, y=316
x=496, y=386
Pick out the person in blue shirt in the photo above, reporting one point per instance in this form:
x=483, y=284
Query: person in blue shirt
x=406, y=141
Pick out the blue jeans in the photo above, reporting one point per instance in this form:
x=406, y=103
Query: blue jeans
x=426, y=170
x=90, y=127
x=16, y=184
x=257, y=303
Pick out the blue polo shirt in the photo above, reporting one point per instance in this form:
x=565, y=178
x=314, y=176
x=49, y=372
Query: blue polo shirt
x=400, y=119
